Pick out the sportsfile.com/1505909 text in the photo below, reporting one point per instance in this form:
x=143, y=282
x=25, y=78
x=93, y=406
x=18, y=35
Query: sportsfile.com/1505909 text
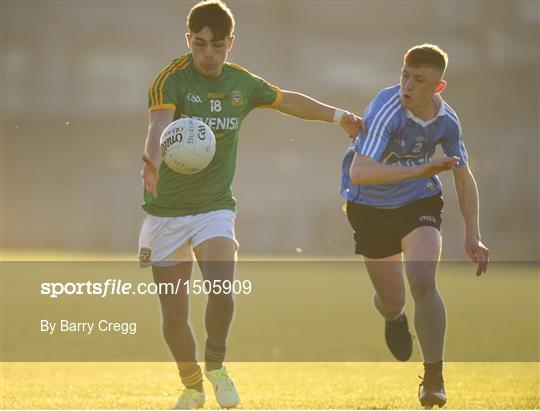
x=117, y=287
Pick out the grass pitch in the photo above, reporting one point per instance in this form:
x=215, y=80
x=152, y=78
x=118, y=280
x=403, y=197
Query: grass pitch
x=268, y=385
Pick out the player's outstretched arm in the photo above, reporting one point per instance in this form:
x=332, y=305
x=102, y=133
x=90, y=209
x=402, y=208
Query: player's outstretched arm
x=157, y=121
x=365, y=170
x=467, y=193
x=304, y=107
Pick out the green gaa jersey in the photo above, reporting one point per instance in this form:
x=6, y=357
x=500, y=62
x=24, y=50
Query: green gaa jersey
x=222, y=103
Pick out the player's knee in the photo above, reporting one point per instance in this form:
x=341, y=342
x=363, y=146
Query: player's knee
x=174, y=321
x=422, y=268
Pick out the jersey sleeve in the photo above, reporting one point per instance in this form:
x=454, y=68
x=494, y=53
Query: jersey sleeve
x=164, y=91
x=265, y=95
x=381, y=122
x=452, y=144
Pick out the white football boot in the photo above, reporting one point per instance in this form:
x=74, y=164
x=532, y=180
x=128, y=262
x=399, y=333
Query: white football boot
x=190, y=399
x=226, y=394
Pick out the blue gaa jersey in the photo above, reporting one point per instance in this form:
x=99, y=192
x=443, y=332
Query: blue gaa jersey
x=396, y=137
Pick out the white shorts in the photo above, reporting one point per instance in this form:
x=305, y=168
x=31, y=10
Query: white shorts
x=168, y=240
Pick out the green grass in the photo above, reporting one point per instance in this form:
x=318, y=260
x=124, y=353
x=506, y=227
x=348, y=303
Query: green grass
x=268, y=385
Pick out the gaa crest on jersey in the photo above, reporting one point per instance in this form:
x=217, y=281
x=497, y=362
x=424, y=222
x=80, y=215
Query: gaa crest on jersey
x=236, y=98
x=145, y=255
x=193, y=98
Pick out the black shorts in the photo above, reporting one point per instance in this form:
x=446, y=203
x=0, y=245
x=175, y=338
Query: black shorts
x=378, y=231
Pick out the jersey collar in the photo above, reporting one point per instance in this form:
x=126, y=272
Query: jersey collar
x=442, y=112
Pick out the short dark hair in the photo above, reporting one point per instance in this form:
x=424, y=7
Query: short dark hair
x=213, y=14
x=426, y=55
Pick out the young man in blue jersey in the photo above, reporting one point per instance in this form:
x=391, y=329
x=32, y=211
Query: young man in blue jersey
x=394, y=206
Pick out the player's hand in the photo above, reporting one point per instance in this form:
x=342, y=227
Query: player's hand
x=352, y=124
x=478, y=253
x=150, y=175
x=435, y=166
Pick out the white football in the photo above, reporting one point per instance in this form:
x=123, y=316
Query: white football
x=187, y=145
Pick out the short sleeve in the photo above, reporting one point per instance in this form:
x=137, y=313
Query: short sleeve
x=381, y=121
x=165, y=89
x=452, y=143
x=265, y=95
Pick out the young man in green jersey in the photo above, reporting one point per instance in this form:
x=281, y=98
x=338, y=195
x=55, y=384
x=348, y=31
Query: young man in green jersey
x=194, y=214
